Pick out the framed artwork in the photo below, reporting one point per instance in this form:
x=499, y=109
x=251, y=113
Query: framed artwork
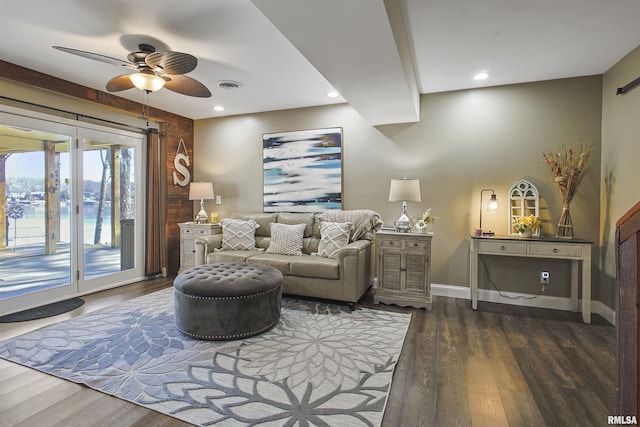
x=302, y=170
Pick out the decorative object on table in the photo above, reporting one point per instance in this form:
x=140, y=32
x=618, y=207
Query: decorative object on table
x=302, y=170
x=568, y=167
x=404, y=190
x=201, y=191
x=527, y=225
x=249, y=381
x=524, y=200
x=492, y=207
x=421, y=224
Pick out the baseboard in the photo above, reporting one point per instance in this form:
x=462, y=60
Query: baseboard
x=515, y=298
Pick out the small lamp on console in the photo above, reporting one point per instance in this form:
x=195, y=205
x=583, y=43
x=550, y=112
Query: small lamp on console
x=492, y=207
x=404, y=190
x=201, y=191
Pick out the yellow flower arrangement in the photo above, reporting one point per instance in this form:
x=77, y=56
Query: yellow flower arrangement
x=527, y=222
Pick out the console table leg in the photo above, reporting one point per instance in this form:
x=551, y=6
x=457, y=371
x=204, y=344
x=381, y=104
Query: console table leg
x=586, y=287
x=574, y=285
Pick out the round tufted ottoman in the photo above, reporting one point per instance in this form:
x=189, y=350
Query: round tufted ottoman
x=227, y=300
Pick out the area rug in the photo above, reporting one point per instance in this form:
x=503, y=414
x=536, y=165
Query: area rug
x=321, y=365
x=41, y=312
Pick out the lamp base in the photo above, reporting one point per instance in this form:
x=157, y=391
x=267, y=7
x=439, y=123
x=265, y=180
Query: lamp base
x=403, y=223
x=201, y=217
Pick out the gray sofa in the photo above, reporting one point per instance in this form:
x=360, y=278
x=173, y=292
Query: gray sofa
x=345, y=276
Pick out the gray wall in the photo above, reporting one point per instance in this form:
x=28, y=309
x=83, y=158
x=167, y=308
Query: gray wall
x=620, y=172
x=466, y=141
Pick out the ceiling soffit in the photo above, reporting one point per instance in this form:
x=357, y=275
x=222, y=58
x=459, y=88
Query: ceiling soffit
x=360, y=47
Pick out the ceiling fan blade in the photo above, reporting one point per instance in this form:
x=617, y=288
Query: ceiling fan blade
x=172, y=62
x=96, y=57
x=119, y=83
x=187, y=86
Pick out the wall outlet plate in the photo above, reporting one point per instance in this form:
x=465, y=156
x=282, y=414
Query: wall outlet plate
x=544, y=277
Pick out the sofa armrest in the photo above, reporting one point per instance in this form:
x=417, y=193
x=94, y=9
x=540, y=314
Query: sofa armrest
x=205, y=245
x=352, y=249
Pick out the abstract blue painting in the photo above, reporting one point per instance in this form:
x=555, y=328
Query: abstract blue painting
x=302, y=170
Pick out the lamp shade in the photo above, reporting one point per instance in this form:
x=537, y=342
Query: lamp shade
x=404, y=190
x=147, y=80
x=201, y=191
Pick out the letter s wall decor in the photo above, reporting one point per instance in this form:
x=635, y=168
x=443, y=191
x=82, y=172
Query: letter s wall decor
x=181, y=163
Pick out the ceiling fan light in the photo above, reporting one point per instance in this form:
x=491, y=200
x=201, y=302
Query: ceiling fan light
x=147, y=81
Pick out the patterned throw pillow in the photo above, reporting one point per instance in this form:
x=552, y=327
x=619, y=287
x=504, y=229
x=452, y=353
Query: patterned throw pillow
x=286, y=239
x=333, y=236
x=238, y=235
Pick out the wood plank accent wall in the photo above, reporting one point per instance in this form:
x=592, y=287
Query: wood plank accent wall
x=627, y=316
x=177, y=208
x=178, y=205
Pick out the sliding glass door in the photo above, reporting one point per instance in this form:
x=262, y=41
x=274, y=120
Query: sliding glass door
x=109, y=210
x=70, y=219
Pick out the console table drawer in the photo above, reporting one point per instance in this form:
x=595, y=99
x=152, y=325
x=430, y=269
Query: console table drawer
x=502, y=247
x=555, y=250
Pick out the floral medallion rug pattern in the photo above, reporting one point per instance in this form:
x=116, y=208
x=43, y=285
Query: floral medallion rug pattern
x=321, y=365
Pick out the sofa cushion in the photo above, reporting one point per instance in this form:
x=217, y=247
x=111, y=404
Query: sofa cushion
x=334, y=235
x=298, y=218
x=264, y=220
x=230, y=256
x=281, y=262
x=286, y=239
x=238, y=235
x=315, y=266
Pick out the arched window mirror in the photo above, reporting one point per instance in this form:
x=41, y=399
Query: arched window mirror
x=524, y=199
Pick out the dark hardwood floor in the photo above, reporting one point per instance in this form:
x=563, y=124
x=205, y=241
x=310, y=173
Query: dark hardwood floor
x=501, y=365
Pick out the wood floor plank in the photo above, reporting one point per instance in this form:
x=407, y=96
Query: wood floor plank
x=499, y=365
x=47, y=400
x=519, y=405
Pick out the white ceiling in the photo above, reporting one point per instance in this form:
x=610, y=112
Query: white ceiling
x=290, y=53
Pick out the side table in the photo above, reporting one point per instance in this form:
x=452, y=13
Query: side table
x=403, y=269
x=188, y=233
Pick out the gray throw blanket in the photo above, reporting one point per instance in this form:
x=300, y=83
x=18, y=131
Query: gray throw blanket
x=364, y=221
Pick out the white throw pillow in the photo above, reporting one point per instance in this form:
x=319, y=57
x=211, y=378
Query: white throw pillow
x=238, y=235
x=286, y=239
x=333, y=236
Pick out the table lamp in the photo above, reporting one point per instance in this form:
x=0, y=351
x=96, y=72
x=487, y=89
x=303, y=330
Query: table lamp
x=492, y=207
x=201, y=191
x=404, y=190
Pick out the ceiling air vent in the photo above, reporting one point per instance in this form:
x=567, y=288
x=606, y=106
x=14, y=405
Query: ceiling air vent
x=229, y=84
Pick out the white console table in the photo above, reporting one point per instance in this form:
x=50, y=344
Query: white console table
x=576, y=250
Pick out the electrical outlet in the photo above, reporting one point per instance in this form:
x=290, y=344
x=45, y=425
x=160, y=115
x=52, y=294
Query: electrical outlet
x=544, y=277
x=218, y=200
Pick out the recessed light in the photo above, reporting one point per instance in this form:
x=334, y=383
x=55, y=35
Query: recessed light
x=333, y=94
x=481, y=76
x=218, y=108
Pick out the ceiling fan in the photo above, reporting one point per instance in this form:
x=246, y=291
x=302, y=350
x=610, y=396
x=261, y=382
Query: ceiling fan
x=155, y=70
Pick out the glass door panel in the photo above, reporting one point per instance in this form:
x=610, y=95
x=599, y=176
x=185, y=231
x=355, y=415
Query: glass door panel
x=35, y=219
x=109, y=207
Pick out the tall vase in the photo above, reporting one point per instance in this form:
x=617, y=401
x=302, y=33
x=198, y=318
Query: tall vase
x=565, y=226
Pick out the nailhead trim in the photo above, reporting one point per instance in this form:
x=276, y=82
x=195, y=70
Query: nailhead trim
x=217, y=337
x=228, y=298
